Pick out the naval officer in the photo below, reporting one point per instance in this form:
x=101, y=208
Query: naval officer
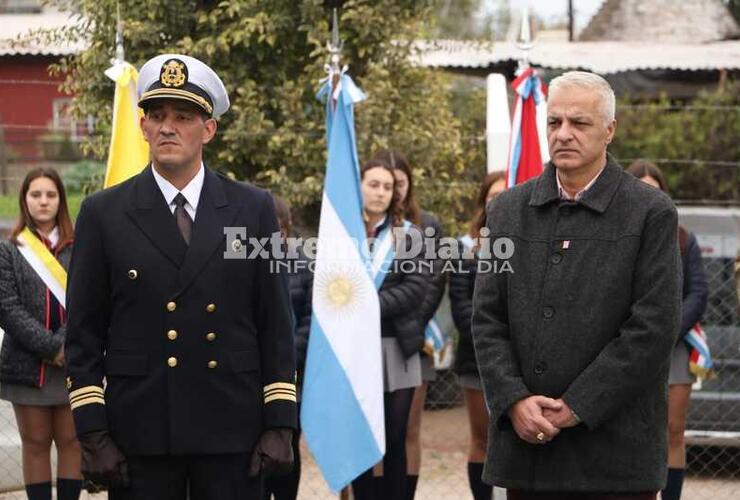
x=180, y=359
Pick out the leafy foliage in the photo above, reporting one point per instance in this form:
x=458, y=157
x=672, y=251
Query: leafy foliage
x=271, y=56
x=84, y=177
x=695, y=143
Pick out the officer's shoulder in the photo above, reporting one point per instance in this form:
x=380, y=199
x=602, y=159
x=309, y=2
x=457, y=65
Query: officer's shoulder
x=111, y=195
x=244, y=192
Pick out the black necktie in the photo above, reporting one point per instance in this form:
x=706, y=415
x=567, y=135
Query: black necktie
x=184, y=222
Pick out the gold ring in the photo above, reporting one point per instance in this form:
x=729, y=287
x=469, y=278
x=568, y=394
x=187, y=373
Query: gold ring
x=540, y=436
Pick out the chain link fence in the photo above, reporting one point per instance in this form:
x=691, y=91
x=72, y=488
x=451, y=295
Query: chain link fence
x=713, y=426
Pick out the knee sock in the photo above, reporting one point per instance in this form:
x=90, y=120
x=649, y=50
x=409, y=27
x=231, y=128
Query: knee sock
x=480, y=490
x=39, y=491
x=411, y=482
x=68, y=489
x=674, y=485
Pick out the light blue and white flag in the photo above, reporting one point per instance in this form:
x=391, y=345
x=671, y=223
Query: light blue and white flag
x=342, y=399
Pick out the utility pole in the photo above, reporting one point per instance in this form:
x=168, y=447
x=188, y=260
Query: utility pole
x=570, y=20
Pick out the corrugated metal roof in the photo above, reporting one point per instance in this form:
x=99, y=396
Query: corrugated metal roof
x=599, y=57
x=13, y=26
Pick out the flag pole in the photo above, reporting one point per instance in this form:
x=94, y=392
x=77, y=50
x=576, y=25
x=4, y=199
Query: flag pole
x=120, y=54
x=128, y=152
x=524, y=40
x=335, y=46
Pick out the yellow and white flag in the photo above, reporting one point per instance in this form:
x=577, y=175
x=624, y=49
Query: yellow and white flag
x=129, y=152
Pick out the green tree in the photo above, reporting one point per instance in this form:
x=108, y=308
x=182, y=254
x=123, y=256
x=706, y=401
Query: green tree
x=734, y=7
x=694, y=143
x=271, y=56
x=470, y=20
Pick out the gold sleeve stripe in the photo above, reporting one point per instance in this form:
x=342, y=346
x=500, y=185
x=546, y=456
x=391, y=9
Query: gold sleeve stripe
x=282, y=397
x=280, y=390
x=87, y=401
x=286, y=393
x=279, y=385
x=83, y=391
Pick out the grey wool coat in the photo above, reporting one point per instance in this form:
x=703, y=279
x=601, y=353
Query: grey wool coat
x=22, y=306
x=590, y=314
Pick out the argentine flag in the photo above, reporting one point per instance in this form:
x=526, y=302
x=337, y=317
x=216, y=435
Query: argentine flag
x=342, y=399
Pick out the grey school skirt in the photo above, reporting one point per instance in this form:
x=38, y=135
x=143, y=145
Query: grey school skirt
x=680, y=373
x=53, y=392
x=398, y=371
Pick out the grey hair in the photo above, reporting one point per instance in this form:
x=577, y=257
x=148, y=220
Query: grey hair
x=591, y=81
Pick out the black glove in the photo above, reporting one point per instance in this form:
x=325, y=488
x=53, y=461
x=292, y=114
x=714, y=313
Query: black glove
x=273, y=454
x=102, y=461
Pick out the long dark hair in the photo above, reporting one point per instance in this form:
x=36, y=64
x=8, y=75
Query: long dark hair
x=282, y=211
x=395, y=210
x=397, y=160
x=479, y=216
x=63, y=221
x=643, y=168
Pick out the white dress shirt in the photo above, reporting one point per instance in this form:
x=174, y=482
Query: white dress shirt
x=191, y=192
x=564, y=194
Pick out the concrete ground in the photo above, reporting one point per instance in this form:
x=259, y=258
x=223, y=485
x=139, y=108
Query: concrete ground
x=444, y=474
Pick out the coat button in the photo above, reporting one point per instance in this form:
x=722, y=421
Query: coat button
x=211, y=337
x=548, y=312
x=172, y=335
x=556, y=258
x=133, y=274
x=172, y=362
x=212, y=364
x=540, y=368
x=211, y=307
x=171, y=306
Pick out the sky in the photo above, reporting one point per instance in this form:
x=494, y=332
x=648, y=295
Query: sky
x=546, y=9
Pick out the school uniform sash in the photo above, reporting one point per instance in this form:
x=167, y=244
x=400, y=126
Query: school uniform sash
x=467, y=241
x=44, y=263
x=700, y=357
x=383, y=253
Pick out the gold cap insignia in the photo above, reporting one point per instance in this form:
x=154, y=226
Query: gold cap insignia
x=174, y=74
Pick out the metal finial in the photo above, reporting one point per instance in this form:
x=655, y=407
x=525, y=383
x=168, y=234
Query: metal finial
x=335, y=45
x=524, y=41
x=119, y=35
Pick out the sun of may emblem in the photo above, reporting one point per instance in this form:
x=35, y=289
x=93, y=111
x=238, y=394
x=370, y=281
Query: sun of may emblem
x=340, y=290
x=173, y=74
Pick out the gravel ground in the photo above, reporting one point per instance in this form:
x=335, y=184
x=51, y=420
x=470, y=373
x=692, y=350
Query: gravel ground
x=443, y=474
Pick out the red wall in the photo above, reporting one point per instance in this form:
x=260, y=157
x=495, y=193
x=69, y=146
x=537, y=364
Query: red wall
x=26, y=108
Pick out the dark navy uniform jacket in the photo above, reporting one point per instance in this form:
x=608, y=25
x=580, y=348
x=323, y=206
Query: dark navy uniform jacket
x=174, y=348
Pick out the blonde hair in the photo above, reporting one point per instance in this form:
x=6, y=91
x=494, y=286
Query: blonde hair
x=590, y=81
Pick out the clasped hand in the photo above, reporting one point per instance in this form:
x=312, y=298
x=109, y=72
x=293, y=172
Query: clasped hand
x=538, y=419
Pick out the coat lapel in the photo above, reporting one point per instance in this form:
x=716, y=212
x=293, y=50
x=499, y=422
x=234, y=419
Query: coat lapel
x=213, y=214
x=152, y=215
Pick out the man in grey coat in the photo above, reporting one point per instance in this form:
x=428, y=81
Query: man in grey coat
x=574, y=344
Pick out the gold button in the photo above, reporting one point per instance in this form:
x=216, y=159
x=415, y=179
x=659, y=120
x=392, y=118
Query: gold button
x=171, y=306
x=133, y=274
x=211, y=337
x=172, y=335
x=211, y=307
x=212, y=364
x=172, y=362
